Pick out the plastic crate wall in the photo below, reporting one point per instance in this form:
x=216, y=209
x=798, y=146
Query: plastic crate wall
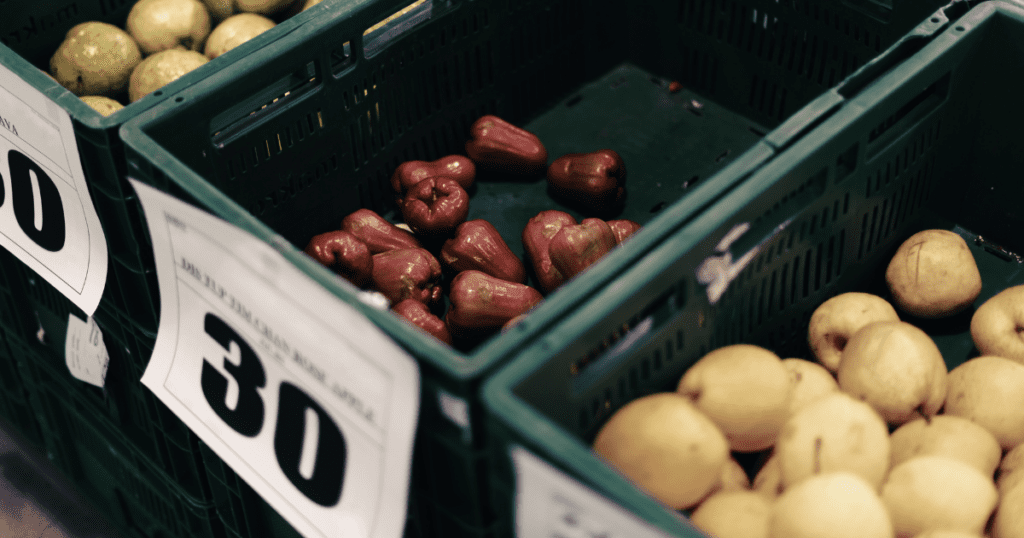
x=140, y=419
x=16, y=399
x=791, y=50
x=138, y=493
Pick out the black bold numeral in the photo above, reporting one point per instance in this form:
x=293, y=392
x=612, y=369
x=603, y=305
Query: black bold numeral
x=324, y=485
x=51, y=234
x=247, y=417
x=3, y=190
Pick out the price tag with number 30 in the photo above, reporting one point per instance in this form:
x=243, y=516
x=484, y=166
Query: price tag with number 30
x=302, y=396
x=47, y=219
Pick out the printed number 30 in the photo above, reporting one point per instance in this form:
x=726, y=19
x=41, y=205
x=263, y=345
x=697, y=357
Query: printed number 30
x=49, y=231
x=325, y=484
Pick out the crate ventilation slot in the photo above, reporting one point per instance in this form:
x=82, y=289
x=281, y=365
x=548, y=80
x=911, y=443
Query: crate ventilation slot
x=246, y=160
x=293, y=185
x=625, y=337
x=883, y=220
x=753, y=302
x=768, y=98
x=423, y=91
x=909, y=115
x=109, y=6
x=701, y=68
x=764, y=34
x=846, y=163
x=636, y=382
x=342, y=58
x=791, y=202
x=904, y=160
x=800, y=263
x=657, y=333
x=909, y=172
x=237, y=120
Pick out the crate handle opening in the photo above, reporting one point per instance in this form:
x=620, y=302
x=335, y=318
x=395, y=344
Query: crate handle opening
x=905, y=48
x=236, y=119
x=377, y=37
x=913, y=112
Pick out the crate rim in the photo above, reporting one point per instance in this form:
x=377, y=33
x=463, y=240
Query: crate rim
x=547, y=438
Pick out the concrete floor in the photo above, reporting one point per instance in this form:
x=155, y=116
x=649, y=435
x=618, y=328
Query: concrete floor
x=36, y=502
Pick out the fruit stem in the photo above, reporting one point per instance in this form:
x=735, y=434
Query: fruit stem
x=920, y=411
x=817, y=455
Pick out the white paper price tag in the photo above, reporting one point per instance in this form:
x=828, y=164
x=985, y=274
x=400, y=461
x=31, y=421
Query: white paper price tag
x=85, y=352
x=550, y=504
x=47, y=218
x=302, y=396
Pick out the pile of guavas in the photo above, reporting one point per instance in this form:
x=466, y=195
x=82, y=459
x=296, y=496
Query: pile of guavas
x=870, y=435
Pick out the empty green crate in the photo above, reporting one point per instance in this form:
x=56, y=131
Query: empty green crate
x=924, y=137
x=287, y=141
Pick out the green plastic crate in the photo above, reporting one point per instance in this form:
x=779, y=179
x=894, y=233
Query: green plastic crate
x=30, y=31
x=924, y=137
x=32, y=312
x=287, y=141
x=139, y=495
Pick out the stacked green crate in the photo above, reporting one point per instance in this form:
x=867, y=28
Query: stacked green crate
x=34, y=315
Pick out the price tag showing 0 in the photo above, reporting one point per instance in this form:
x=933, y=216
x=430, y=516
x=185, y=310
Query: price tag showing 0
x=311, y=404
x=47, y=218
